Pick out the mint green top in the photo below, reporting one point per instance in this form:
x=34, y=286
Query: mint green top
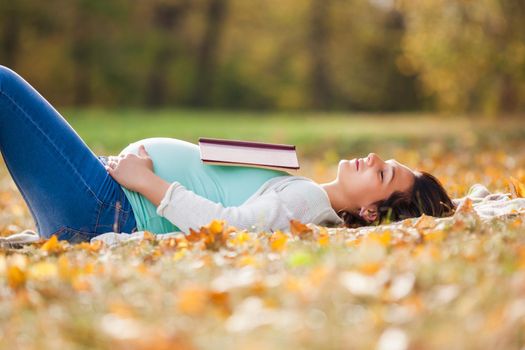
x=177, y=160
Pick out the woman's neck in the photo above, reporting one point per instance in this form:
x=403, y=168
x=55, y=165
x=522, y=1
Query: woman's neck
x=336, y=196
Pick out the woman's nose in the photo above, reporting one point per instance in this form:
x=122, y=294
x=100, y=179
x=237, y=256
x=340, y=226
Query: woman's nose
x=373, y=159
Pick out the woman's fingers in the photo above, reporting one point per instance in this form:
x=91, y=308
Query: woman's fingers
x=142, y=151
x=112, y=164
x=116, y=158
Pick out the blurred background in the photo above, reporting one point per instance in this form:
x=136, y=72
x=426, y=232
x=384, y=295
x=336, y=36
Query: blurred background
x=358, y=55
x=437, y=84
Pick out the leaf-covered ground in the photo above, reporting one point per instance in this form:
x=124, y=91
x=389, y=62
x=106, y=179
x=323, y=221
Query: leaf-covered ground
x=454, y=284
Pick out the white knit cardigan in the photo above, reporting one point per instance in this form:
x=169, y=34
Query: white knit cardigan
x=270, y=208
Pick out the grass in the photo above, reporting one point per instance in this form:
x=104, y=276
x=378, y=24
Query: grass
x=314, y=134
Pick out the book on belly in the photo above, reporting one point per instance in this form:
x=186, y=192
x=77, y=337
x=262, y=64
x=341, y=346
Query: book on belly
x=249, y=153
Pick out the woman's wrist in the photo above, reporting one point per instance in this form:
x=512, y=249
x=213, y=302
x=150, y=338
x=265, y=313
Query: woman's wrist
x=153, y=187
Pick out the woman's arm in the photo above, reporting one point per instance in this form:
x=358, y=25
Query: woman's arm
x=153, y=188
x=186, y=210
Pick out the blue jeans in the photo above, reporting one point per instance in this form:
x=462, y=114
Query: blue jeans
x=65, y=185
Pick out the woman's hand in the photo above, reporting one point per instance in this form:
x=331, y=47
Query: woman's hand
x=130, y=170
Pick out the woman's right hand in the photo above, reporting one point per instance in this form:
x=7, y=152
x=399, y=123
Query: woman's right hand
x=130, y=170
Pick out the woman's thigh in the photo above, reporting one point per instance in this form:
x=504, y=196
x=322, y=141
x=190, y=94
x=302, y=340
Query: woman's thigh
x=62, y=181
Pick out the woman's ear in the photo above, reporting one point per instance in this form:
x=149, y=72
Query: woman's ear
x=369, y=213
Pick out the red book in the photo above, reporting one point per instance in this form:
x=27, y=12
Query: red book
x=248, y=153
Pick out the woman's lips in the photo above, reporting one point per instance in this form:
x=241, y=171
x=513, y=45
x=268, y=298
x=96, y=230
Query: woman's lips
x=357, y=164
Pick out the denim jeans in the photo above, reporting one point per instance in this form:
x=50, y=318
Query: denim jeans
x=65, y=185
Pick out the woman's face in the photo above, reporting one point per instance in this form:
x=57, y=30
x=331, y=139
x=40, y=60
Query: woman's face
x=368, y=180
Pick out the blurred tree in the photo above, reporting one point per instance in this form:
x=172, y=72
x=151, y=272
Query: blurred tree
x=469, y=54
x=82, y=52
x=10, y=19
x=167, y=16
x=321, y=85
x=207, y=53
x=283, y=54
x=365, y=43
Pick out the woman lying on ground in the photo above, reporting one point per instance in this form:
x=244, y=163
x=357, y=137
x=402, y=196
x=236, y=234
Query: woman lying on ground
x=160, y=184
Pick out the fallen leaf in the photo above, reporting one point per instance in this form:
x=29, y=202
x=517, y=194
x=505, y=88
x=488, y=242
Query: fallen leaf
x=16, y=277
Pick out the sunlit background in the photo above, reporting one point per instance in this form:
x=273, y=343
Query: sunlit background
x=350, y=55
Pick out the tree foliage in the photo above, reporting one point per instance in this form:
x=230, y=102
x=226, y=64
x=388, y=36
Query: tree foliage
x=286, y=54
x=470, y=54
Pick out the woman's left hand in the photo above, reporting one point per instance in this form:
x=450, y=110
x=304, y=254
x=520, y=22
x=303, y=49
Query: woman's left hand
x=131, y=171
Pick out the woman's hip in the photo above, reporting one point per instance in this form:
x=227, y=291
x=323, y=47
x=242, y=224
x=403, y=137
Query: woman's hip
x=89, y=216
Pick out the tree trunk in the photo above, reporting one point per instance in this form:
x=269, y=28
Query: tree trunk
x=208, y=50
x=508, y=101
x=81, y=56
x=11, y=34
x=166, y=17
x=321, y=85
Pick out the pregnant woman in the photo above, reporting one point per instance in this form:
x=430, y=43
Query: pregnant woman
x=160, y=184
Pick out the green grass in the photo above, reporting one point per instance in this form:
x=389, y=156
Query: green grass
x=109, y=131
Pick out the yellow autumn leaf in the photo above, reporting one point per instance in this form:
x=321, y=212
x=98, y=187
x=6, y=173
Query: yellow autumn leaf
x=382, y=238
x=436, y=236
x=192, y=300
x=517, y=188
x=278, y=241
x=149, y=236
x=240, y=238
x=64, y=267
x=16, y=277
x=425, y=222
x=370, y=268
x=52, y=245
x=80, y=284
x=301, y=230
x=43, y=270
x=247, y=260
x=216, y=226
x=323, y=240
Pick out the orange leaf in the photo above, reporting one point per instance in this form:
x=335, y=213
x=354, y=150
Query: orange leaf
x=370, y=268
x=216, y=226
x=52, y=245
x=149, y=236
x=517, y=188
x=299, y=229
x=324, y=239
x=278, y=241
x=192, y=300
x=194, y=236
x=16, y=278
x=426, y=222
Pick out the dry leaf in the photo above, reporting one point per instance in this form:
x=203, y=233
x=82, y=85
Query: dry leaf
x=52, y=245
x=16, y=278
x=278, y=241
x=299, y=229
x=192, y=300
x=517, y=188
x=425, y=222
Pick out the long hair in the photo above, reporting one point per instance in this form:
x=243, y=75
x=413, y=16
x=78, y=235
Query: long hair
x=427, y=196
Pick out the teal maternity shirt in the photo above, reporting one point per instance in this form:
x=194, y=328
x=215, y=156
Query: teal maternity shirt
x=177, y=160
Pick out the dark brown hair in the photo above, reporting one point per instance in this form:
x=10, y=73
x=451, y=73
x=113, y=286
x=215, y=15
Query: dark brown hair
x=427, y=196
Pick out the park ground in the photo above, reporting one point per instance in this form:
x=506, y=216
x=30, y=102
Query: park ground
x=422, y=286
